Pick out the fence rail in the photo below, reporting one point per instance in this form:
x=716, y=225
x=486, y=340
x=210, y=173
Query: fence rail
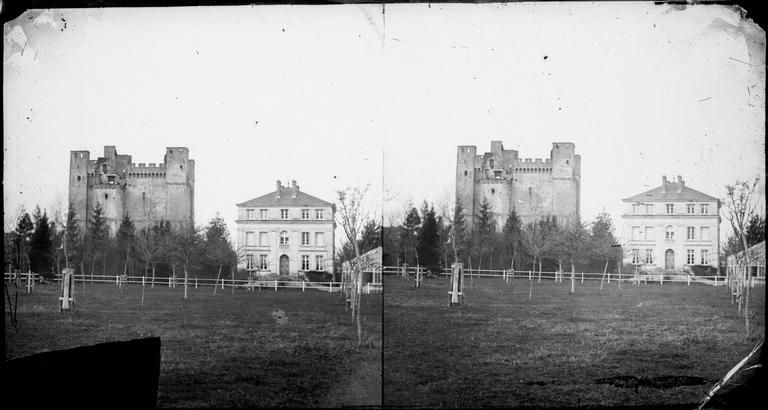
x=504, y=274
x=223, y=283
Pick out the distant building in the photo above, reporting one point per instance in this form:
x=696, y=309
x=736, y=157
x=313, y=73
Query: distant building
x=756, y=264
x=670, y=227
x=145, y=193
x=286, y=232
x=532, y=188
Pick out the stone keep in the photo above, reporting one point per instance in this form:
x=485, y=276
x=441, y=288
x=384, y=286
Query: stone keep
x=145, y=192
x=533, y=188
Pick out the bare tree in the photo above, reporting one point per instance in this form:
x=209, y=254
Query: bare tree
x=739, y=209
x=352, y=216
x=185, y=247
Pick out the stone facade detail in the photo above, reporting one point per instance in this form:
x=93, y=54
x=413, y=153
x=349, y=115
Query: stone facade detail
x=533, y=188
x=146, y=193
x=671, y=227
x=286, y=232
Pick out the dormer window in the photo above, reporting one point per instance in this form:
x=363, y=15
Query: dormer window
x=263, y=213
x=670, y=208
x=704, y=209
x=249, y=213
x=305, y=214
x=103, y=168
x=283, y=214
x=690, y=208
x=490, y=163
x=319, y=214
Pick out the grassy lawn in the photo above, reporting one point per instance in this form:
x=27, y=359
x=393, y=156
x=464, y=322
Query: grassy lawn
x=499, y=349
x=223, y=350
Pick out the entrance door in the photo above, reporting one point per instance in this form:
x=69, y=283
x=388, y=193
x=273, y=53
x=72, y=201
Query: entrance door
x=284, y=265
x=669, y=260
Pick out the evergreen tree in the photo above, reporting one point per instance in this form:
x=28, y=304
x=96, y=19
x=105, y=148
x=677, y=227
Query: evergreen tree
x=428, y=245
x=40, y=244
x=97, y=237
x=485, y=230
x=72, y=242
x=126, y=241
x=459, y=233
x=756, y=230
x=511, y=236
x=411, y=226
x=219, y=252
x=371, y=236
x=22, y=239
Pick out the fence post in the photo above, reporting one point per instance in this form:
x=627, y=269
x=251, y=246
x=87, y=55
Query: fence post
x=689, y=280
x=117, y=280
x=582, y=277
x=529, y=275
x=302, y=286
x=330, y=286
x=195, y=282
x=275, y=285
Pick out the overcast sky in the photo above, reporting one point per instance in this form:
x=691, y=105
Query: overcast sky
x=347, y=95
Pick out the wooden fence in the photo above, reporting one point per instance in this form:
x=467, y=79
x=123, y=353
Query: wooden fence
x=504, y=274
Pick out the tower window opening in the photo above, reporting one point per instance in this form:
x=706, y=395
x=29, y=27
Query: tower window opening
x=78, y=178
x=493, y=191
x=181, y=166
x=104, y=168
x=465, y=173
x=106, y=196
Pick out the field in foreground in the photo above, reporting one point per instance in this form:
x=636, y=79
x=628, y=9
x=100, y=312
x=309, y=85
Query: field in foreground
x=638, y=345
x=224, y=350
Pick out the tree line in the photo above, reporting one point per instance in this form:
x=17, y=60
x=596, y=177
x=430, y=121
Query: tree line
x=434, y=239
x=45, y=245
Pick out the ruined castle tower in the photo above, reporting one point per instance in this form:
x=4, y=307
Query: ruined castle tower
x=533, y=188
x=145, y=193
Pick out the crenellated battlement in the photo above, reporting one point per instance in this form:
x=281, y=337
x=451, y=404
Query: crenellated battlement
x=116, y=183
x=510, y=181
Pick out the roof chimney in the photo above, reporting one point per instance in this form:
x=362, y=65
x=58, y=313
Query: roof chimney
x=680, y=184
x=295, y=188
x=663, y=184
x=278, y=188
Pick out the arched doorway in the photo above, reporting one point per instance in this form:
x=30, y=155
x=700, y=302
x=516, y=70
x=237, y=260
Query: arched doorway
x=669, y=260
x=284, y=265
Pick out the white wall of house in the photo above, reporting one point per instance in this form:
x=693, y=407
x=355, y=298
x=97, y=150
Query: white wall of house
x=647, y=229
x=259, y=234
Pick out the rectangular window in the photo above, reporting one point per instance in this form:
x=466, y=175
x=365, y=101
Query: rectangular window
x=319, y=239
x=249, y=213
x=263, y=213
x=635, y=256
x=648, y=209
x=691, y=231
x=250, y=238
x=705, y=209
x=649, y=256
x=263, y=262
x=283, y=214
x=305, y=214
x=635, y=209
x=635, y=232
x=691, y=259
x=305, y=238
x=704, y=233
x=690, y=208
x=670, y=208
x=319, y=262
x=669, y=234
x=319, y=214
x=263, y=239
x=648, y=233
x=304, y=262
x=704, y=257
x=249, y=263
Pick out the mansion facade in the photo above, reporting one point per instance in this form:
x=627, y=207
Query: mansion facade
x=671, y=227
x=286, y=232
